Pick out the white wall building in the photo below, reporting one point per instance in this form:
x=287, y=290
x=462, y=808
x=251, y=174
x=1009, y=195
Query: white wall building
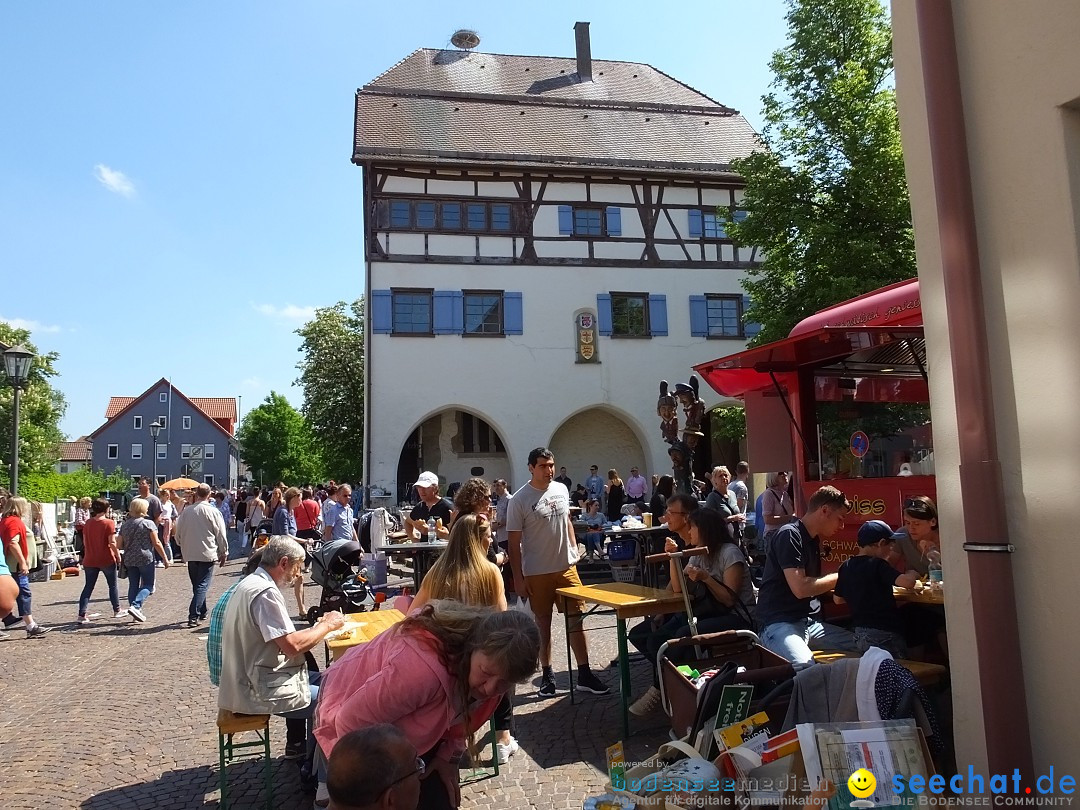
x=545, y=242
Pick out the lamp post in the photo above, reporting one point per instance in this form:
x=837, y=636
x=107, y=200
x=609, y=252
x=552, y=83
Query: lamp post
x=155, y=430
x=17, y=362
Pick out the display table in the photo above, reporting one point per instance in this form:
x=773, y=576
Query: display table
x=423, y=555
x=371, y=623
x=626, y=601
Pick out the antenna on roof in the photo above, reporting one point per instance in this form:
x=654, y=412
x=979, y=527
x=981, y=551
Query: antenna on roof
x=465, y=39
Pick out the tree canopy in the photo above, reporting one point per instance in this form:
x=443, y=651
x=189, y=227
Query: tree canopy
x=277, y=444
x=41, y=407
x=332, y=378
x=828, y=202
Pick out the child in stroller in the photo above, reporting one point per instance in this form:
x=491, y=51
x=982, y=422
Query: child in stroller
x=343, y=588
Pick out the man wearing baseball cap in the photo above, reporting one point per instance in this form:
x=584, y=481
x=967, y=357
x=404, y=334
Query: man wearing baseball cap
x=865, y=583
x=430, y=506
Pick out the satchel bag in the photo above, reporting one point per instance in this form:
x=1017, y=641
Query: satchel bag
x=121, y=570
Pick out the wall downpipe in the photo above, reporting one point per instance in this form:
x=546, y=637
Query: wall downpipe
x=988, y=550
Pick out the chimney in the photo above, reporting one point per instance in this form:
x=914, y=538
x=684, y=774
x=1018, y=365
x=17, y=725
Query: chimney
x=584, y=51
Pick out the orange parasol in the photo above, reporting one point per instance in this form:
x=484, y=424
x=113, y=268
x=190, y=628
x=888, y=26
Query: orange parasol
x=179, y=483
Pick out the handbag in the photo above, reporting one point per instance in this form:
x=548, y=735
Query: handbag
x=121, y=570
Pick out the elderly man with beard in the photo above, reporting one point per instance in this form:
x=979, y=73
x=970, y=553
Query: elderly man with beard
x=263, y=670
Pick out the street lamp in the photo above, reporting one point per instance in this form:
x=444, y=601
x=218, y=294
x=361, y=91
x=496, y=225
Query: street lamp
x=17, y=362
x=155, y=430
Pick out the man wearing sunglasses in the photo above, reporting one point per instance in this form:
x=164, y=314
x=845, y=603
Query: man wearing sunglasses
x=374, y=767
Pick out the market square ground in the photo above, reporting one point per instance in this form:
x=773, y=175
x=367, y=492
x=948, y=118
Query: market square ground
x=120, y=716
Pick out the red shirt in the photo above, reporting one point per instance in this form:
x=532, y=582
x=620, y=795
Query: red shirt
x=307, y=515
x=11, y=527
x=97, y=533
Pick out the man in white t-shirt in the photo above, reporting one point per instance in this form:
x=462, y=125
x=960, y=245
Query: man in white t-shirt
x=543, y=557
x=738, y=487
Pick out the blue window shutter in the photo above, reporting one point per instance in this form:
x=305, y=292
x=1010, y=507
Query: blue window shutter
x=458, y=308
x=512, y=314
x=566, y=220
x=614, y=220
x=695, y=222
x=603, y=313
x=657, y=315
x=699, y=316
x=382, y=316
x=443, y=312
x=749, y=329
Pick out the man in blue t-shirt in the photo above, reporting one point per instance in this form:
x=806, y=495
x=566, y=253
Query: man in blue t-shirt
x=792, y=580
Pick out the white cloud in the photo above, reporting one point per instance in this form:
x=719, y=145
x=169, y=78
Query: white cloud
x=289, y=312
x=114, y=180
x=30, y=326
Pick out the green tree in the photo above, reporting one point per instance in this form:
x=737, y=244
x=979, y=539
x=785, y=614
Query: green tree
x=276, y=442
x=332, y=377
x=48, y=485
x=828, y=201
x=41, y=407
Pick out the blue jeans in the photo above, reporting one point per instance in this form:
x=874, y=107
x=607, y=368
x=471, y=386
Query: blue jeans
x=594, y=541
x=795, y=640
x=140, y=583
x=200, y=573
x=22, y=600
x=91, y=575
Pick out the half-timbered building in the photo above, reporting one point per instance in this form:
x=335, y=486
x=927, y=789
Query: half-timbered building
x=545, y=241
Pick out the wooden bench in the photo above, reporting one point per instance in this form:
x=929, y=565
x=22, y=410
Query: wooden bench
x=926, y=674
x=230, y=723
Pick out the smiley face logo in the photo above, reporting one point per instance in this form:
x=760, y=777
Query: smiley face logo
x=862, y=783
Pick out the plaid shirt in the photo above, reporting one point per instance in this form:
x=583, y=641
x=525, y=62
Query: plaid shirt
x=213, y=640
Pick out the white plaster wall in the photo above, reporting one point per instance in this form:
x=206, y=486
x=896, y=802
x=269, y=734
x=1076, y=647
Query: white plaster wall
x=612, y=194
x=575, y=447
x=496, y=246
x=564, y=192
x=682, y=196
x=1029, y=65
x=716, y=196
x=411, y=244
x=404, y=185
x=451, y=187
x=531, y=383
x=504, y=188
x=565, y=248
x=449, y=245
x=664, y=229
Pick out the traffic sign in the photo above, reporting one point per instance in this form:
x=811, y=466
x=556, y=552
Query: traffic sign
x=860, y=444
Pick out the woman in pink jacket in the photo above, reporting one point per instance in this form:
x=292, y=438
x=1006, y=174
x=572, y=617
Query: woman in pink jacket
x=437, y=676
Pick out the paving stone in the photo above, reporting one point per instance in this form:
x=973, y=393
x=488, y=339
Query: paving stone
x=121, y=716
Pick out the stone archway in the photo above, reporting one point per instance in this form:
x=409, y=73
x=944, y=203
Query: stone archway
x=451, y=443
x=601, y=437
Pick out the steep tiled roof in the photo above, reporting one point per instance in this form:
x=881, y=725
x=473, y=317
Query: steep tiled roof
x=78, y=450
x=450, y=106
x=538, y=77
x=214, y=407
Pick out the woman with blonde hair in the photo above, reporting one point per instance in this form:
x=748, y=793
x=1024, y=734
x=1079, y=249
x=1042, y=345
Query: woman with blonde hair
x=438, y=677
x=463, y=571
x=20, y=553
x=139, y=540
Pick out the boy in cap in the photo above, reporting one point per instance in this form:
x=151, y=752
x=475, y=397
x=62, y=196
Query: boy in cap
x=865, y=583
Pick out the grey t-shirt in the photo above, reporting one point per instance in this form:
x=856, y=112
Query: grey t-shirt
x=542, y=517
x=741, y=493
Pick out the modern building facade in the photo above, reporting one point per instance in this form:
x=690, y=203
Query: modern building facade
x=196, y=441
x=989, y=101
x=545, y=241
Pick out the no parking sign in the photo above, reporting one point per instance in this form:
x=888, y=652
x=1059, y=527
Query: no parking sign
x=860, y=444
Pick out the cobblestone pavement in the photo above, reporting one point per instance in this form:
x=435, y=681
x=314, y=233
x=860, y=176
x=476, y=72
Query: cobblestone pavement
x=120, y=715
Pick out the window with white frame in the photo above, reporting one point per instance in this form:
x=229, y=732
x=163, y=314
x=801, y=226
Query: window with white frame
x=208, y=451
x=136, y=451
x=208, y=479
x=185, y=451
x=160, y=480
x=114, y=451
x=162, y=452
x=163, y=421
x=162, y=397
x=136, y=422
x=185, y=422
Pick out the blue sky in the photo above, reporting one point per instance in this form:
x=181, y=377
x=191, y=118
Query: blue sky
x=176, y=191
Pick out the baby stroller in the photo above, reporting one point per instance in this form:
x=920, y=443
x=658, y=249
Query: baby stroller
x=261, y=534
x=345, y=589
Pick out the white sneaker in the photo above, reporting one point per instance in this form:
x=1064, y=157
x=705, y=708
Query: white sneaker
x=84, y=620
x=136, y=614
x=507, y=750
x=120, y=614
x=647, y=703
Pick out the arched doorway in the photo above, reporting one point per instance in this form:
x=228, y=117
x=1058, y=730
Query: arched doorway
x=601, y=437
x=452, y=444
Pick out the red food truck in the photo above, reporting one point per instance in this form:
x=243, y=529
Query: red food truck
x=849, y=383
